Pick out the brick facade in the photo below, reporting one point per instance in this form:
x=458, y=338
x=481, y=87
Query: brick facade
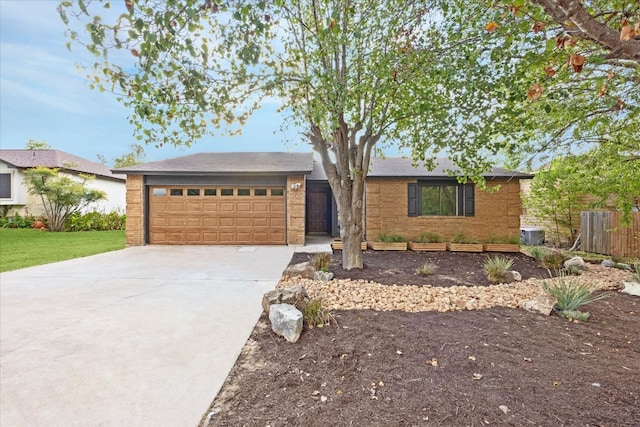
x=296, y=209
x=496, y=213
x=135, y=210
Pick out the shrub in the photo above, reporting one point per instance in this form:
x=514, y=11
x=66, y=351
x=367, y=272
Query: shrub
x=16, y=221
x=571, y=295
x=95, y=221
x=321, y=262
x=573, y=270
x=389, y=238
x=636, y=276
x=497, y=267
x=538, y=253
x=314, y=314
x=460, y=237
x=553, y=260
x=429, y=237
x=427, y=269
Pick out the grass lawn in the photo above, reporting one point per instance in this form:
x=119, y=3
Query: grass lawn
x=20, y=248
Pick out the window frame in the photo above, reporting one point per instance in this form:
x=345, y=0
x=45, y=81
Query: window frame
x=10, y=173
x=465, y=197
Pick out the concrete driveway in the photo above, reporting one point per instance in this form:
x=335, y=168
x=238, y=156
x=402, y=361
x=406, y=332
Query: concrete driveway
x=144, y=336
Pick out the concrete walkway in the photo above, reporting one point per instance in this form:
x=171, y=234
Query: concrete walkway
x=144, y=336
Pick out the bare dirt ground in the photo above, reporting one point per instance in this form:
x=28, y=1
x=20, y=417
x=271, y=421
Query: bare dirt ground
x=494, y=366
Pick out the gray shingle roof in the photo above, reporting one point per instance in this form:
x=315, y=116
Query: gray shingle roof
x=403, y=167
x=25, y=159
x=227, y=164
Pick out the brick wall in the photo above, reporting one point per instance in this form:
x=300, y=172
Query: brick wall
x=135, y=210
x=296, y=210
x=496, y=214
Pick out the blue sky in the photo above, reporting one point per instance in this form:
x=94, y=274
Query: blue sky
x=43, y=96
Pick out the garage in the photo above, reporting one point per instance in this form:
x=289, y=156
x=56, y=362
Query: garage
x=240, y=198
x=208, y=215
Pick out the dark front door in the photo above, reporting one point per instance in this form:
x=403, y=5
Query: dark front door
x=317, y=213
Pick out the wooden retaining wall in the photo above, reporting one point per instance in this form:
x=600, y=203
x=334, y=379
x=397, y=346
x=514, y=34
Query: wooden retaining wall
x=602, y=233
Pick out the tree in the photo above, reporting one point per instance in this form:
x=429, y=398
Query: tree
x=32, y=144
x=353, y=74
x=61, y=195
x=133, y=157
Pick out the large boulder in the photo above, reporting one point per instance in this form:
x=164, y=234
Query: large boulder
x=575, y=262
x=303, y=269
x=542, y=304
x=294, y=295
x=631, y=288
x=286, y=321
x=513, y=276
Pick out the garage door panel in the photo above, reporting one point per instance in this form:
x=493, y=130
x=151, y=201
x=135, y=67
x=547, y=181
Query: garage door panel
x=215, y=218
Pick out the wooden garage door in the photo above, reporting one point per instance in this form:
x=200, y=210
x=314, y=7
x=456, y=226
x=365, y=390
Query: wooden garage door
x=183, y=215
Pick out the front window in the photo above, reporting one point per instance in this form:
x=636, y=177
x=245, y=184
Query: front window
x=440, y=200
x=5, y=185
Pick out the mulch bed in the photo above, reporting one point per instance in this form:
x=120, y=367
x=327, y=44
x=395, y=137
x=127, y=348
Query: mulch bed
x=488, y=367
x=452, y=268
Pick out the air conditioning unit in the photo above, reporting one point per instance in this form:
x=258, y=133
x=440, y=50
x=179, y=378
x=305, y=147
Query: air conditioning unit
x=531, y=236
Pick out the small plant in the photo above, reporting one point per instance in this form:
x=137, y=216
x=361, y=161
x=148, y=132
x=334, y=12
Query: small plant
x=571, y=295
x=462, y=238
x=513, y=240
x=553, y=260
x=573, y=270
x=429, y=237
x=390, y=238
x=427, y=269
x=497, y=267
x=321, y=262
x=538, y=253
x=636, y=276
x=315, y=315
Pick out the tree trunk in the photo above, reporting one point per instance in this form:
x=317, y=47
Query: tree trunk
x=349, y=202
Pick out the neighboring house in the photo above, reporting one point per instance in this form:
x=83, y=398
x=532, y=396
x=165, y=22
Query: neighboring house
x=278, y=198
x=14, y=194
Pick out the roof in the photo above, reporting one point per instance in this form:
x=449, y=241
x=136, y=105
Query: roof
x=395, y=167
x=227, y=164
x=25, y=159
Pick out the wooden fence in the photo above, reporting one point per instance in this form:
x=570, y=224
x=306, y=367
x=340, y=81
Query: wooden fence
x=602, y=233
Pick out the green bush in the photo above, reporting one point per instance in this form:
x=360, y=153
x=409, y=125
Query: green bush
x=497, y=267
x=16, y=221
x=321, y=262
x=96, y=221
x=538, y=253
x=427, y=269
x=390, y=238
x=571, y=295
x=429, y=237
x=315, y=315
x=636, y=275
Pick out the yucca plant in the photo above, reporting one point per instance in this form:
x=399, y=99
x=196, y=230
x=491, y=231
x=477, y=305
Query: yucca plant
x=636, y=276
x=429, y=237
x=390, y=238
x=538, y=253
x=553, y=260
x=571, y=294
x=497, y=267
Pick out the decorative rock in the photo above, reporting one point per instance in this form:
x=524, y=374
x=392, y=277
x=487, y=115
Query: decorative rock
x=542, y=304
x=631, y=288
x=576, y=262
x=323, y=276
x=517, y=277
x=286, y=321
x=304, y=269
x=607, y=263
x=294, y=295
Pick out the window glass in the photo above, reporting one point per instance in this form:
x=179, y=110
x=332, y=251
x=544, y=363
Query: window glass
x=209, y=191
x=158, y=192
x=277, y=192
x=441, y=200
x=260, y=192
x=175, y=192
x=5, y=185
x=226, y=192
x=244, y=192
x=193, y=191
